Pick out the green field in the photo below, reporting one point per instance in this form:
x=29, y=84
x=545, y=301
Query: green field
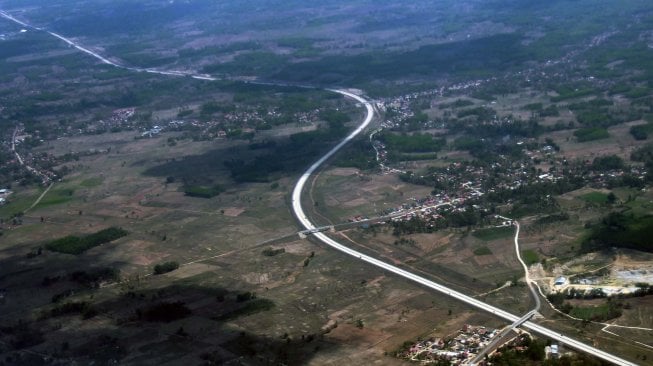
x=595, y=197
x=591, y=134
x=494, y=233
x=56, y=197
x=530, y=257
x=596, y=313
x=623, y=230
x=91, y=182
x=18, y=204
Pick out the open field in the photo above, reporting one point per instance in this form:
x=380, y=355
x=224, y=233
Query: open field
x=167, y=237
x=216, y=241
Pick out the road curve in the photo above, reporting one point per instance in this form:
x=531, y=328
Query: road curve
x=303, y=219
x=301, y=215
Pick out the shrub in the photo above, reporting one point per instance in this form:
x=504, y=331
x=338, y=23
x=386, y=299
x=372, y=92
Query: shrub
x=270, y=252
x=165, y=267
x=641, y=132
x=245, y=296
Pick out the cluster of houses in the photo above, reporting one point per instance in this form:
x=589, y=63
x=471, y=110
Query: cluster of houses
x=403, y=101
x=429, y=208
x=37, y=164
x=457, y=350
x=121, y=116
x=155, y=130
x=119, y=119
x=242, y=121
x=231, y=124
x=381, y=152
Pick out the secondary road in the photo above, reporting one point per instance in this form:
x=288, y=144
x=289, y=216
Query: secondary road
x=21, y=161
x=527, y=276
x=304, y=220
x=301, y=215
x=499, y=338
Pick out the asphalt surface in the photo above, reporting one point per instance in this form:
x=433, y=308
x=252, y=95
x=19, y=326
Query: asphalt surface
x=308, y=225
x=303, y=219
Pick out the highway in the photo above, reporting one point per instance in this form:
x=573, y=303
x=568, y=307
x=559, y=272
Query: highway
x=103, y=59
x=308, y=225
x=297, y=208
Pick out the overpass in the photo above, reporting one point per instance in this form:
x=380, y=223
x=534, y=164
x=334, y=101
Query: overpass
x=296, y=200
x=303, y=219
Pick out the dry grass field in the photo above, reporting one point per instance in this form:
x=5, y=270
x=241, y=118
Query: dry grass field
x=219, y=245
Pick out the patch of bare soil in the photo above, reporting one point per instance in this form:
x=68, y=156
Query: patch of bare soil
x=343, y=172
x=233, y=211
x=192, y=270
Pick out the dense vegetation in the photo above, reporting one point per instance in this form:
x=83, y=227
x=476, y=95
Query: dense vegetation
x=77, y=245
x=591, y=134
x=641, y=132
x=203, y=192
x=622, y=230
x=165, y=267
x=291, y=155
x=414, y=143
x=467, y=217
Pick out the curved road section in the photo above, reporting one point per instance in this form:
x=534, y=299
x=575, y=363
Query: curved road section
x=527, y=276
x=303, y=219
x=301, y=215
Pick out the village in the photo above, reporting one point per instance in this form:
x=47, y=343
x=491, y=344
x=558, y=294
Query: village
x=483, y=185
x=461, y=347
x=457, y=349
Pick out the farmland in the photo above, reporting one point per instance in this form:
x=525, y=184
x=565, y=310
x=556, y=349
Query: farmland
x=145, y=213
